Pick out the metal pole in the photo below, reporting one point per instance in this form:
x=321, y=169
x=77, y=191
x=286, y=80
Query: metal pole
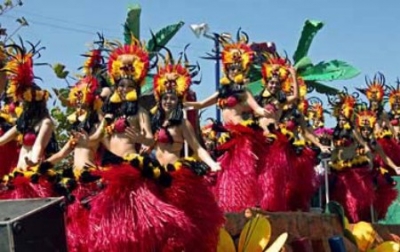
x=185, y=144
x=217, y=72
x=326, y=171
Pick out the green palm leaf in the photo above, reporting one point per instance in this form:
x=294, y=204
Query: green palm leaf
x=322, y=88
x=254, y=73
x=303, y=63
x=329, y=71
x=132, y=23
x=163, y=36
x=255, y=87
x=310, y=29
x=148, y=86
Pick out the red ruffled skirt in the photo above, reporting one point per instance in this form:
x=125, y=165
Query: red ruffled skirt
x=78, y=216
x=130, y=214
x=386, y=193
x=189, y=193
x=353, y=188
x=303, y=179
x=23, y=188
x=235, y=188
x=391, y=149
x=275, y=174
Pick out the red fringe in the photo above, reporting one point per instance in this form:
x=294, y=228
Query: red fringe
x=274, y=175
x=25, y=189
x=354, y=190
x=386, y=194
x=189, y=193
x=235, y=187
x=391, y=149
x=77, y=219
x=129, y=214
x=8, y=157
x=304, y=181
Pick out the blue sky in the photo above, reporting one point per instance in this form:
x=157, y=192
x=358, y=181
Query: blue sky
x=363, y=33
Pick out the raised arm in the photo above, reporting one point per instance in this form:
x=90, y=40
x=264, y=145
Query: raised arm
x=295, y=96
x=203, y=104
x=189, y=136
x=42, y=140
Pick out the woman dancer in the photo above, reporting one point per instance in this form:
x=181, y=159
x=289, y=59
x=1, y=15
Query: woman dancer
x=235, y=188
x=35, y=126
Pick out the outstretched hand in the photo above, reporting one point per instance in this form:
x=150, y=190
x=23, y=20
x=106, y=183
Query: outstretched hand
x=134, y=134
x=31, y=163
x=263, y=112
x=81, y=136
x=215, y=167
x=325, y=149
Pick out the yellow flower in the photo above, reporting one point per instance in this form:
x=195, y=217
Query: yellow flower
x=255, y=236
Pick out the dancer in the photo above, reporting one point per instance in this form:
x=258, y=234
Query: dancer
x=235, y=188
x=35, y=126
x=188, y=190
x=130, y=213
x=385, y=189
x=351, y=163
x=383, y=129
x=276, y=168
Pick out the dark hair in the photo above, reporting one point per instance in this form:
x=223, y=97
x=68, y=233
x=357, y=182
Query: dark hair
x=88, y=124
x=159, y=117
x=33, y=112
x=128, y=108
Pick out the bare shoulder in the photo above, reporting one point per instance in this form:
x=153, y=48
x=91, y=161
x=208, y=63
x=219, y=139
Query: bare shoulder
x=143, y=110
x=47, y=122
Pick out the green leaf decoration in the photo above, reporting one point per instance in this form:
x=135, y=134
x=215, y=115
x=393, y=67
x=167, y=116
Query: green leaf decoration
x=254, y=73
x=162, y=37
x=310, y=29
x=322, y=88
x=349, y=235
x=255, y=87
x=59, y=70
x=148, y=86
x=334, y=207
x=132, y=23
x=329, y=71
x=303, y=63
